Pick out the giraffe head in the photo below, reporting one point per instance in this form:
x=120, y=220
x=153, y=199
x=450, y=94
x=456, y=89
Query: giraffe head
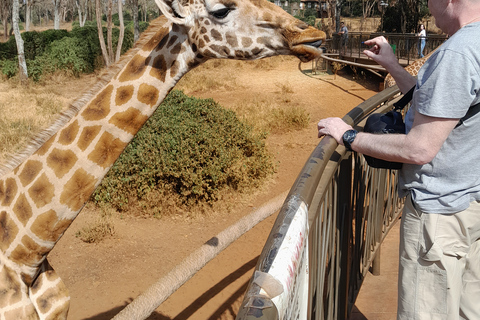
x=243, y=29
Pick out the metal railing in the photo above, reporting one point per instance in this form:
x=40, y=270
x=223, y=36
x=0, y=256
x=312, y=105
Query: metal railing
x=350, y=209
x=404, y=44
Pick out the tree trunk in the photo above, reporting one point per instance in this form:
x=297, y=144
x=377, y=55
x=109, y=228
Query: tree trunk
x=122, y=31
x=56, y=21
x=111, y=56
x=22, y=71
x=28, y=14
x=5, y=10
x=135, y=20
x=98, y=11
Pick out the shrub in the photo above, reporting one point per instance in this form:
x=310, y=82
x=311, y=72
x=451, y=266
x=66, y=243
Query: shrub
x=35, y=43
x=192, y=149
x=69, y=54
x=9, y=67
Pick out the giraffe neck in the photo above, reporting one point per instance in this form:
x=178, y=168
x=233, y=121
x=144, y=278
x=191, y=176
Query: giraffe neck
x=41, y=196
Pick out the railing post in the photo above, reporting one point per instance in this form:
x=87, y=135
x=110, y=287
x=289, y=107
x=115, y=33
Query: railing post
x=379, y=212
x=344, y=229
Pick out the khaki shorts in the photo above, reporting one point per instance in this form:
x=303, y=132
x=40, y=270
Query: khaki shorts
x=439, y=270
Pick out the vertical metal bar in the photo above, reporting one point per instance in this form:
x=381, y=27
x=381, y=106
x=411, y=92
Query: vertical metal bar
x=378, y=218
x=344, y=226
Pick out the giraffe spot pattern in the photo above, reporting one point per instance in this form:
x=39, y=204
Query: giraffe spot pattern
x=8, y=192
x=29, y=253
x=68, y=134
x=48, y=227
x=99, y=108
x=77, y=190
x=148, y=94
x=107, y=150
x=177, y=49
x=174, y=68
x=87, y=136
x=27, y=312
x=30, y=170
x=153, y=43
x=246, y=42
x=123, y=95
x=159, y=68
x=231, y=39
x=8, y=232
x=46, y=146
x=130, y=120
x=221, y=50
x=22, y=209
x=172, y=41
x=61, y=161
x=134, y=69
x=217, y=36
x=42, y=191
x=10, y=288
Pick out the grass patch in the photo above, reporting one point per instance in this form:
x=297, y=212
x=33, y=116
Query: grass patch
x=96, y=231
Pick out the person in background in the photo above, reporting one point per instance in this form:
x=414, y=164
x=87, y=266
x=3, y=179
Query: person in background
x=422, y=35
x=439, y=263
x=343, y=36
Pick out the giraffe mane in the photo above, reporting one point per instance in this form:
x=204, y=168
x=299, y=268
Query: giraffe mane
x=105, y=76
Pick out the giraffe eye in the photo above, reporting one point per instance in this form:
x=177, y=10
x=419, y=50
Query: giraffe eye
x=221, y=13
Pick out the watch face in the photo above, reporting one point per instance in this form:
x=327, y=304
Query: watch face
x=348, y=138
x=349, y=135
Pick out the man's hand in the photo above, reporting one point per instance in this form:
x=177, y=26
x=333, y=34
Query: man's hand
x=334, y=127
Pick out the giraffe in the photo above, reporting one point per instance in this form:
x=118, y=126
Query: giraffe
x=412, y=68
x=43, y=190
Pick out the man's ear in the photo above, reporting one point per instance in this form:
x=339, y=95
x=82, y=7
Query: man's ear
x=174, y=11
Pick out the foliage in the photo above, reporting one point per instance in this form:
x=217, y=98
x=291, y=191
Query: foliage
x=190, y=149
x=9, y=67
x=70, y=54
x=76, y=52
x=309, y=16
x=402, y=17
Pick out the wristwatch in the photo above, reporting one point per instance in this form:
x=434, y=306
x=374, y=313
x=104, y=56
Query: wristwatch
x=348, y=138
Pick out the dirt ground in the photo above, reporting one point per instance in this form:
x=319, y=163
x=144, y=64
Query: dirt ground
x=104, y=277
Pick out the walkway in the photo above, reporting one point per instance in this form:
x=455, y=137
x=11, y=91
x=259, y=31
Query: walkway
x=377, y=299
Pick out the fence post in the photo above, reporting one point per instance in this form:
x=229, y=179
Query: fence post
x=379, y=213
x=344, y=230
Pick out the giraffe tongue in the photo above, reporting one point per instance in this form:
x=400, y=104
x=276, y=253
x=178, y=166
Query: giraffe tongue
x=306, y=51
x=315, y=44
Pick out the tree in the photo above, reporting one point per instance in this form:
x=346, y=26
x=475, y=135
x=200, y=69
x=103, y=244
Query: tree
x=56, y=5
x=82, y=18
x=122, y=30
x=23, y=73
x=5, y=9
x=98, y=11
x=136, y=28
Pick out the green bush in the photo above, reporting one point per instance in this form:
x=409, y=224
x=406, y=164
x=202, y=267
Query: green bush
x=69, y=54
x=8, y=50
x=35, y=43
x=9, y=67
x=192, y=149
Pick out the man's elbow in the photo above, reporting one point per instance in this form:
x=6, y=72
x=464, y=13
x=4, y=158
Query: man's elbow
x=421, y=157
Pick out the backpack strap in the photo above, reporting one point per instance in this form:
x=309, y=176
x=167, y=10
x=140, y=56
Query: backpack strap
x=407, y=97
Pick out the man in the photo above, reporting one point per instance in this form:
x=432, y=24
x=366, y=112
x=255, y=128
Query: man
x=344, y=36
x=439, y=270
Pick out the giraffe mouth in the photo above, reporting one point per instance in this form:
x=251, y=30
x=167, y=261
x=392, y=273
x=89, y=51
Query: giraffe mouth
x=308, y=50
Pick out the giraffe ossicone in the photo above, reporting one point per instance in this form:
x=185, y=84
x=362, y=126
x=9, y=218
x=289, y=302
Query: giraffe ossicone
x=46, y=188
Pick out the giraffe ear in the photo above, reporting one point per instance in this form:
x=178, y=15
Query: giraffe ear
x=174, y=11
